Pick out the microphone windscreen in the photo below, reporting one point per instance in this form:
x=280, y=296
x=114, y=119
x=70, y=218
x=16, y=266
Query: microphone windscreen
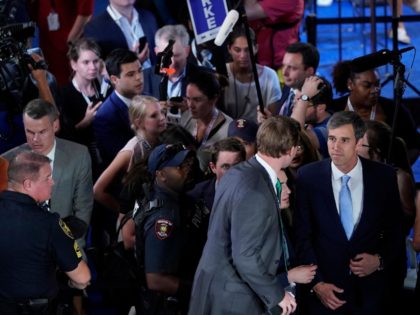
x=227, y=26
x=371, y=61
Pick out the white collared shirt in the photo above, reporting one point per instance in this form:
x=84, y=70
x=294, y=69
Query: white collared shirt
x=126, y=100
x=355, y=185
x=174, y=88
x=132, y=30
x=51, y=155
x=269, y=169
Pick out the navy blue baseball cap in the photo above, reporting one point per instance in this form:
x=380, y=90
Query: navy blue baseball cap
x=244, y=129
x=166, y=155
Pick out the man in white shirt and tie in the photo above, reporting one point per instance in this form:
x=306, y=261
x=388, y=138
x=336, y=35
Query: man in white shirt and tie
x=348, y=222
x=120, y=26
x=299, y=62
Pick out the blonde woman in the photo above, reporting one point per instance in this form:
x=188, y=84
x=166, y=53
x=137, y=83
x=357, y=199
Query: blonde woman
x=148, y=121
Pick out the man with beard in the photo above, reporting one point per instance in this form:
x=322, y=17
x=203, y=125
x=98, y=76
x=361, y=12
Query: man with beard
x=310, y=111
x=299, y=62
x=164, y=243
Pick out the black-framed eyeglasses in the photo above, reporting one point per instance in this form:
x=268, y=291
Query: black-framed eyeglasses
x=170, y=151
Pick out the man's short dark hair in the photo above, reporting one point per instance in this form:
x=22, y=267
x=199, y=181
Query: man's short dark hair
x=348, y=118
x=25, y=164
x=207, y=82
x=39, y=108
x=310, y=54
x=227, y=145
x=325, y=95
x=118, y=57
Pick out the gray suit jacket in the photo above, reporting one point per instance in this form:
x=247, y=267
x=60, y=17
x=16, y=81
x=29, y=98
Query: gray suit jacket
x=72, y=174
x=238, y=271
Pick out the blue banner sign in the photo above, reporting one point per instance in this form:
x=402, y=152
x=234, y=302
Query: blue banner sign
x=207, y=16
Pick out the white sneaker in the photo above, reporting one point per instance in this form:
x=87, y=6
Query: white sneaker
x=324, y=3
x=402, y=36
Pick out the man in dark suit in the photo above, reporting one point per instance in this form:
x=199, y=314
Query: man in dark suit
x=348, y=222
x=121, y=26
x=111, y=124
x=239, y=270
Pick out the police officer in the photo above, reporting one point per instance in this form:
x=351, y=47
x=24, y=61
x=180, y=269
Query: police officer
x=33, y=242
x=163, y=233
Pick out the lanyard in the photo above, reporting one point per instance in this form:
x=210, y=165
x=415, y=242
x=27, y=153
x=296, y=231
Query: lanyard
x=87, y=99
x=372, y=111
x=208, y=129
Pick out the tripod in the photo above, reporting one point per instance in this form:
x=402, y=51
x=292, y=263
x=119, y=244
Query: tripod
x=398, y=73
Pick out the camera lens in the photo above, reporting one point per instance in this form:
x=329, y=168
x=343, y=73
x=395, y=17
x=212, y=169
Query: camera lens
x=173, y=110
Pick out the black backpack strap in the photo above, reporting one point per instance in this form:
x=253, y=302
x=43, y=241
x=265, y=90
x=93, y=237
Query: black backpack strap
x=124, y=220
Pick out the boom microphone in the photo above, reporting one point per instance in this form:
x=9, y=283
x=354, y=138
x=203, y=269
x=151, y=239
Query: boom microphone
x=227, y=26
x=377, y=59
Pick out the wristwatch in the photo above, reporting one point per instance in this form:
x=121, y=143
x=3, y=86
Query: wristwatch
x=305, y=98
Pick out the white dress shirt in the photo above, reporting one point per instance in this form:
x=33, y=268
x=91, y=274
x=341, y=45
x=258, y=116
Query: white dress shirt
x=355, y=185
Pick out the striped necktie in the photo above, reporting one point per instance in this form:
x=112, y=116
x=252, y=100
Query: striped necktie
x=287, y=107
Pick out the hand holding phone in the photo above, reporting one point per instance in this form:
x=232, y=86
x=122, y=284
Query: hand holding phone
x=142, y=43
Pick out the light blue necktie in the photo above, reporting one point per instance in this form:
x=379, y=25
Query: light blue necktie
x=346, y=206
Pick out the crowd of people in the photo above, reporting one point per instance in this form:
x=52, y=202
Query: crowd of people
x=223, y=205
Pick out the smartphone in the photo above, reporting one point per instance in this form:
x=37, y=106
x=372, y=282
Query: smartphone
x=142, y=43
x=176, y=99
x=174, y=113
x=35, y=50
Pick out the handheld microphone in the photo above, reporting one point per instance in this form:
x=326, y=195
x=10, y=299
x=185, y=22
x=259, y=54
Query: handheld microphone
x=227, y=26
x=206, y=56
x=376, y=59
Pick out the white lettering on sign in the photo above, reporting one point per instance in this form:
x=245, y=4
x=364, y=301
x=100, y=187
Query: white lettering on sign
x=211, y=23
x=208, y=14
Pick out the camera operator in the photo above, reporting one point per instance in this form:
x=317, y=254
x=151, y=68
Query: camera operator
x=16, y=91
x=34, y=242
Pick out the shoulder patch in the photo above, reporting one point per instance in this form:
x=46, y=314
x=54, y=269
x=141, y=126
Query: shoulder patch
x=77, y=250
x=163, y=228
x=65, y=229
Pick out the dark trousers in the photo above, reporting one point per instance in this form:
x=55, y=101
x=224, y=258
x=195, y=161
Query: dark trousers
x=29, y=307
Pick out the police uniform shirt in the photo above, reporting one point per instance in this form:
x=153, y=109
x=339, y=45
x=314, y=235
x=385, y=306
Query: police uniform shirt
x=33, y=243
x=164, y=236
